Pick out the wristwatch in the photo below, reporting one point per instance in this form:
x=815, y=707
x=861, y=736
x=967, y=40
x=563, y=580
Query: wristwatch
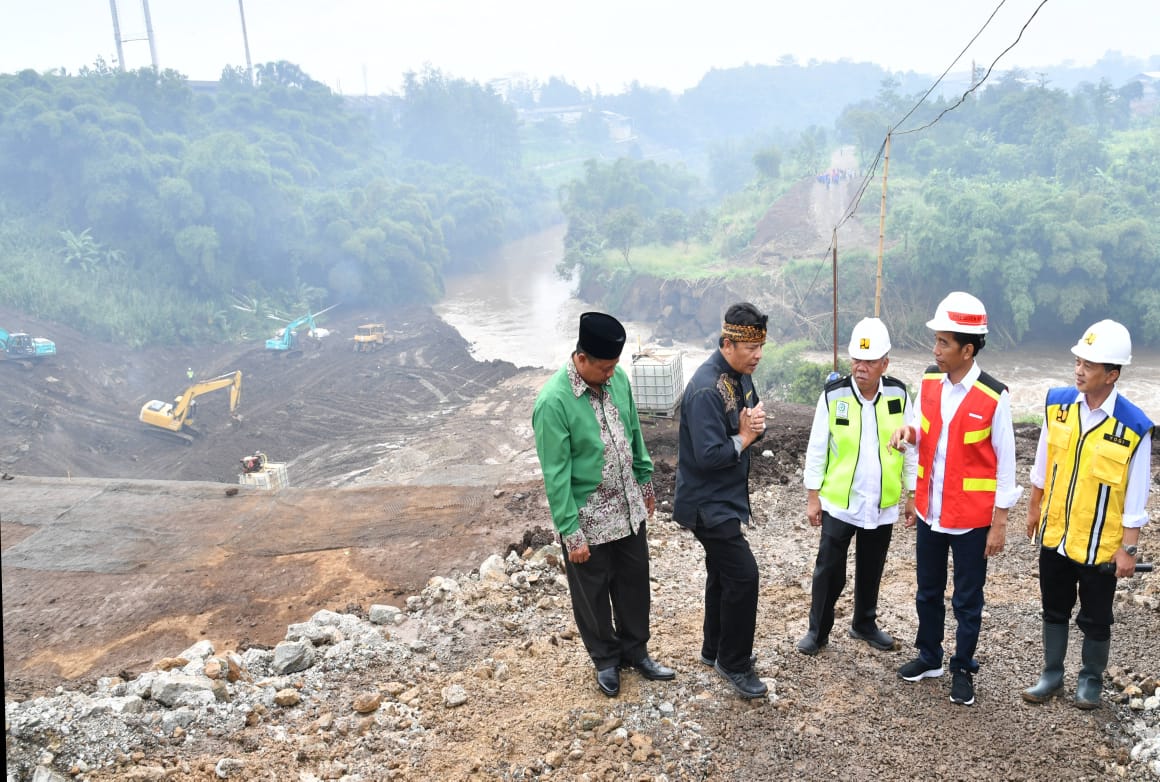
x=1131, y=550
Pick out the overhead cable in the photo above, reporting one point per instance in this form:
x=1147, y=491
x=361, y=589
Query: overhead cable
x=856, y=201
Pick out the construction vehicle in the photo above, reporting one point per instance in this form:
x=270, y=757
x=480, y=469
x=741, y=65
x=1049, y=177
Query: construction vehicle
x=176, y=418
x=18, y=345
x=370, y=336
x=286, y=340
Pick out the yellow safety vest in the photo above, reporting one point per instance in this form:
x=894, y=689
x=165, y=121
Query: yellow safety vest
x=1087, y=477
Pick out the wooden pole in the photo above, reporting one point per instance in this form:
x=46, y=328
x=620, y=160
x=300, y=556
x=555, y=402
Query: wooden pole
x=834, y=265
x=881, y=231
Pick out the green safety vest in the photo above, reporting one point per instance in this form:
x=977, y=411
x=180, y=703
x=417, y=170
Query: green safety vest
x=843, y=453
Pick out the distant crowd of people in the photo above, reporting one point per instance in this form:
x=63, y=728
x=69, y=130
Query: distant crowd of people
x=943, y=462
x=836, y=175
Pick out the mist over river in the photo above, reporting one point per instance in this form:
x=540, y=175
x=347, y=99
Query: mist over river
x=520, y=310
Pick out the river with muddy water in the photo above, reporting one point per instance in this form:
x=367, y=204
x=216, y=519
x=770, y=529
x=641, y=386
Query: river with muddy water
x=520, y=310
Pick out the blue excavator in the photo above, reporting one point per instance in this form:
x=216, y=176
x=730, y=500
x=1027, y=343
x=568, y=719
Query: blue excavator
x=21, y=346
x=286, y=341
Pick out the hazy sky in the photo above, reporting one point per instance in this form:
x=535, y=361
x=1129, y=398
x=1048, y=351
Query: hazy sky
x=357, y=45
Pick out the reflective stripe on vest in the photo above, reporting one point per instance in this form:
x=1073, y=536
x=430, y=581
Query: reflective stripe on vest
x=1087, y=477
x=843, y=452
x=971, y=467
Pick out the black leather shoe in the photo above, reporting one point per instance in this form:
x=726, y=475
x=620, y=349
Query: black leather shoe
x=713, y=661
x=878, y=638
x=651, y=669
x=746, y=683
x=809, y=645
x=609, y=681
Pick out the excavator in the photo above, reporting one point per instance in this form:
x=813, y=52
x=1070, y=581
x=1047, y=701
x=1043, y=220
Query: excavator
x=175, y=419
x=23, y=347
x=285, y=341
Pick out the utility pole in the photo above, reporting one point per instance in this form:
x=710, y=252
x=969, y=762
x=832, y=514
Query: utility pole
x=835, y=268
x=149, y=34
x=246, y=42
x=881, y=231
x=117, y=35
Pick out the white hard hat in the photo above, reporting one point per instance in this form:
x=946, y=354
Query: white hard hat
x=961, y=313
x=1106, y=342
x=869, y=340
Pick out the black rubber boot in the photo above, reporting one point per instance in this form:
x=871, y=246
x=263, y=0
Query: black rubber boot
x=1054, y=650
x=1091, y=675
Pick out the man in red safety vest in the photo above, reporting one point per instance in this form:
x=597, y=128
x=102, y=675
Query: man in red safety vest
x=965, y=488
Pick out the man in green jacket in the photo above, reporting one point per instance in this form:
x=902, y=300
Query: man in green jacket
x=598, y=480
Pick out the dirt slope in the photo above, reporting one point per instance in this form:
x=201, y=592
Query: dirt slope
x=76, y=414
x=118, y=544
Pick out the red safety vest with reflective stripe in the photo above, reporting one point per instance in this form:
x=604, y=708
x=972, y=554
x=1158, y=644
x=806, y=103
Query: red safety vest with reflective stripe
x=971, y=467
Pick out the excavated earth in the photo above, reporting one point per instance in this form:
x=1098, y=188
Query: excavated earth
x=121, y=549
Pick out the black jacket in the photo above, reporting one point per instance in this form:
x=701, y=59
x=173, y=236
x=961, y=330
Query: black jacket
x=712, y=478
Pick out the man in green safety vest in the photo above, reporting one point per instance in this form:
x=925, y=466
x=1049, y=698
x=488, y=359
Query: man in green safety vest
x=855, y=482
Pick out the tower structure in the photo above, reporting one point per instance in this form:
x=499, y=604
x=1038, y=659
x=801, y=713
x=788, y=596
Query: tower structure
x=119, y=40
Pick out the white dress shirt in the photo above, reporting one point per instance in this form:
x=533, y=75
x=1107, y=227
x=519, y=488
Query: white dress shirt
x=1007, y=491
x=866, y=490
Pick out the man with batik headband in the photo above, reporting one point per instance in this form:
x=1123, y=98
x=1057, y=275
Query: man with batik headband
x=721, y=417
x=598, y=480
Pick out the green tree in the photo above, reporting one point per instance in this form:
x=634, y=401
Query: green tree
x=672, y=226
x=768, y=162
x=622, y=230
x=455, y=121
x=81, y=250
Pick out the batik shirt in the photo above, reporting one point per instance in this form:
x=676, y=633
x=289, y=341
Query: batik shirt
x=597, y=471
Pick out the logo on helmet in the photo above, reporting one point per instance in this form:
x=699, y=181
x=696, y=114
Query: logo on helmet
x=864, y=343
x=1090, y=338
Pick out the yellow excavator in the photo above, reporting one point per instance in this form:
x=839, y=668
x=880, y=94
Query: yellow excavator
x=176, y=418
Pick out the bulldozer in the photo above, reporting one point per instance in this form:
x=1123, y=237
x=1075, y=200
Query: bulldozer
x=175, y=419
x=370, y=337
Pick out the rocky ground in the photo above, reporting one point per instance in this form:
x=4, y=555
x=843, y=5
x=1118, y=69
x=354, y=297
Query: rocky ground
x=396, y=614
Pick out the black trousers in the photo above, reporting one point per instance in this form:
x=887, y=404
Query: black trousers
x=731, y=585
x=830, y=574
x=1061, y=580
x=611, y=599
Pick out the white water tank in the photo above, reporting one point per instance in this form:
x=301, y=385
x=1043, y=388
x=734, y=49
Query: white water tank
x=657, y=381
x=272, y=476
